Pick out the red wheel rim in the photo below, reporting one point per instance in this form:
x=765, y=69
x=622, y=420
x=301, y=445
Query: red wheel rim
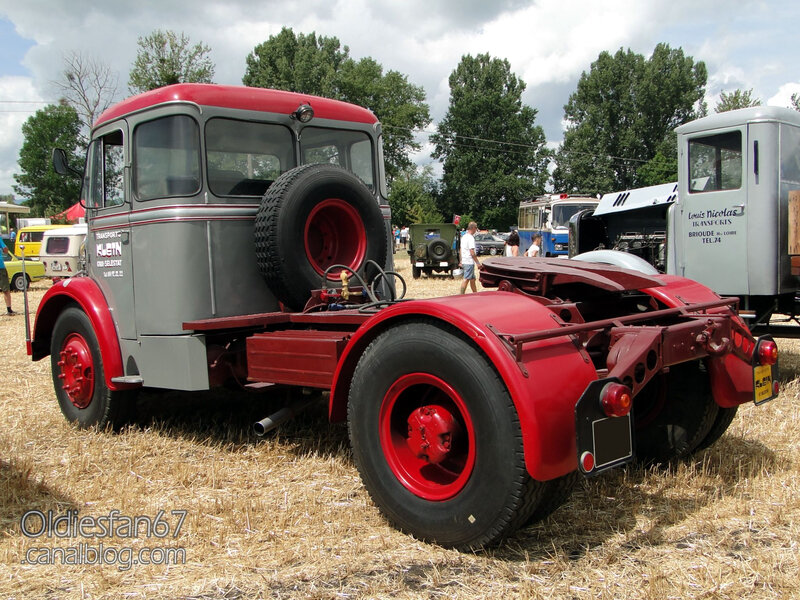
x=76, y=370
x=334, y=235
x=427, y=436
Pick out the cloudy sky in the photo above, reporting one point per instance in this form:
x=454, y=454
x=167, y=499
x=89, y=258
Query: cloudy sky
x=549, y=43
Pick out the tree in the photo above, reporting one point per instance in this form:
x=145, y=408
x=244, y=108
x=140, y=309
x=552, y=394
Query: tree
x=620, y=115
x=494, y=154
x=297, y=63
x=318, y=65
x=47, y=192
x=736, y=99
x=165, y=58
x=411, y=198
x=796, y=101
x=88, y=85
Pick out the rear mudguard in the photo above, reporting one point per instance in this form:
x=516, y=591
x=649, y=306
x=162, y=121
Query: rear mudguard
x=544, y=386
x=731, y=378
x=85, y=293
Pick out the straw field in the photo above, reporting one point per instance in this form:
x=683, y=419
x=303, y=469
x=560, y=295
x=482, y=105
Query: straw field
x=237, y=517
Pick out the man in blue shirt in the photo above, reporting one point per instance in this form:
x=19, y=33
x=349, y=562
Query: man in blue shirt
x=5, y=286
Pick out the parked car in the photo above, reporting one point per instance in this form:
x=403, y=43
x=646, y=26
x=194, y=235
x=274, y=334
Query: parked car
x=63, y=251
x=487, y=243
x=34, y=270
x=433, y=248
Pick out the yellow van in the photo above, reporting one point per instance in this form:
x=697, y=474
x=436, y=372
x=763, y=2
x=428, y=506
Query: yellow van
x=31, y=238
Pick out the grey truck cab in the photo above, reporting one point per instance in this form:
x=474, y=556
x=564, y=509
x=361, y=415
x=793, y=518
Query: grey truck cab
x=208, y=201
x=727, y=222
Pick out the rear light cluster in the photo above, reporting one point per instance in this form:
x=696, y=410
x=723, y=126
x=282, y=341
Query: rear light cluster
x=767, y=352
x=616, y=400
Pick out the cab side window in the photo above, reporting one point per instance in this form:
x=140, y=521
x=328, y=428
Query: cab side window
x=166, y=154
x=715, y=162
x=107, y=161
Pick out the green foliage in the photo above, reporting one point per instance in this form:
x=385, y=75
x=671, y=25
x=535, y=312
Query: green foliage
x=164, y=58
x=663, y=167
x=736, y=99
x=494, y=154
x=47, y=192
x=620, y=115
x=297, y=63
x=319, y=65
x=796, y=101
x=411, y=198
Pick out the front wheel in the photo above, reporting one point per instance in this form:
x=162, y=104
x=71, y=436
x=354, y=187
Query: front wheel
x=437, y=440
x=78, y=375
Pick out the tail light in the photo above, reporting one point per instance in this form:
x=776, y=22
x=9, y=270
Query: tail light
x=767, y=352
x=616, y=400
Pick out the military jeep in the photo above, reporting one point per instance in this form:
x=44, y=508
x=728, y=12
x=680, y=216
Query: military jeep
x=433, y=248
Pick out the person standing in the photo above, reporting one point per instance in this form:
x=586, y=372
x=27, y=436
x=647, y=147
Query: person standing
x=535, y=249
x=469, y=258
x=512, y=244
x=5, y=285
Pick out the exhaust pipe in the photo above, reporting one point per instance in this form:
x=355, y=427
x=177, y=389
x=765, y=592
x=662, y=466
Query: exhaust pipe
x=267, y=424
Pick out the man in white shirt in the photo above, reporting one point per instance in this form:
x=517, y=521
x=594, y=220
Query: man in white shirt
x=469, y=258
x=535, y=249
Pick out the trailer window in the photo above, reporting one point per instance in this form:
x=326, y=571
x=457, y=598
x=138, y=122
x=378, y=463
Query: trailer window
x=167, y=158
x=107, y=161
x=349, y=149
x=245, y=157
x=715, y=162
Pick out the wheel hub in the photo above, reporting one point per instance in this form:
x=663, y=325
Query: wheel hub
x=430, y=433
x=76, y=371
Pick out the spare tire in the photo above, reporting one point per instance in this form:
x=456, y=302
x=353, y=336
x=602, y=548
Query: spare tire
x=438, y=249
x=311, y=218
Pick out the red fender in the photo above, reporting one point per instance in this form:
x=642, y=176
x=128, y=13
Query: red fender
x=544, y=387
x=731, y=377
x=84, y=292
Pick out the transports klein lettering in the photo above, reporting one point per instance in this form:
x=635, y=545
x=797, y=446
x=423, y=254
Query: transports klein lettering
x=123, y=557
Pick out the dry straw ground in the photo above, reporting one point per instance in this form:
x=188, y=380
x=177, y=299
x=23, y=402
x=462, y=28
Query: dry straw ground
x=287, y=516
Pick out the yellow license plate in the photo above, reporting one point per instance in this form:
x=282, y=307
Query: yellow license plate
x=762, y=383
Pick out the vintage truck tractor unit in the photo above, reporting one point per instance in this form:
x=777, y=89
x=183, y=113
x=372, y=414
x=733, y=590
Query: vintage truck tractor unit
x=730, y=222
x=243, y=234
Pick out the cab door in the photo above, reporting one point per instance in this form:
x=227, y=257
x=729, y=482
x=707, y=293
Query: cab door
x=711, y=226
x=108, y=242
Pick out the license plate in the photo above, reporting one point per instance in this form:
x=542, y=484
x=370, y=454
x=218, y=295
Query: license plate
x=763, y=388
x=55, y=266
x=443, y=264
x=419, y=264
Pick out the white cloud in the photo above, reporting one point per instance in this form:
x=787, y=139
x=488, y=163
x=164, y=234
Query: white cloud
x=548, y=43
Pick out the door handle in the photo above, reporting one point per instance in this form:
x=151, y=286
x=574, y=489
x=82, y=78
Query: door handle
x=740, y=211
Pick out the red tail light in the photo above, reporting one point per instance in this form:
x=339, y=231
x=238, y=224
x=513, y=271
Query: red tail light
x=767, y=352
x=616, y=400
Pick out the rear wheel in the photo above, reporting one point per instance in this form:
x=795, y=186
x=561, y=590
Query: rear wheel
x=415, y=272
x=78, y=376
x=437, y=440
x=19, y=282
x=721, y=423
x=674, y=414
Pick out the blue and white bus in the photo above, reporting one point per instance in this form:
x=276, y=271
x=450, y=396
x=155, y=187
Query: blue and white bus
x=549, y=217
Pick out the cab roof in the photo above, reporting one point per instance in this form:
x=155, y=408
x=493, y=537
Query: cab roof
x=239, y=97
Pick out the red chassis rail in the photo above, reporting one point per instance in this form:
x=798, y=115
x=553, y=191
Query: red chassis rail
x=543, y=348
